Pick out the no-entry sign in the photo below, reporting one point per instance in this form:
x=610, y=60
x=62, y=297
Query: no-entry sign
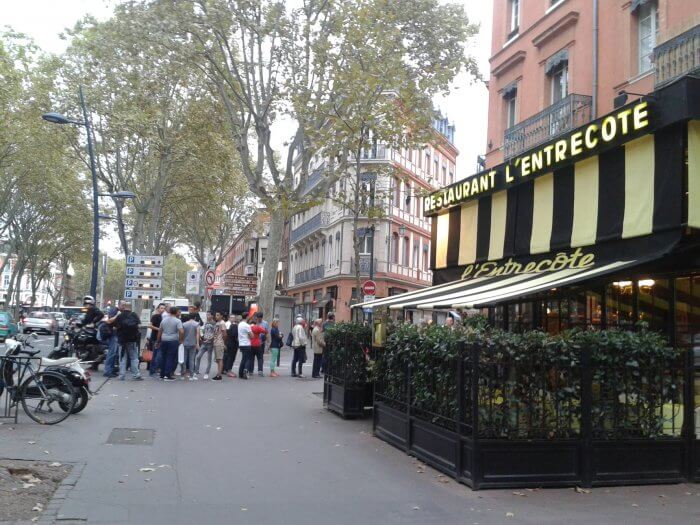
x=209, y=278
x=369, y=288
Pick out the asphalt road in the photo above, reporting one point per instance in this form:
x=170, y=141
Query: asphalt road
x=265, y=451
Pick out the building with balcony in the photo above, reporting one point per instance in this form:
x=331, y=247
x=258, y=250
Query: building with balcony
x=394, y=248
x=558, y=64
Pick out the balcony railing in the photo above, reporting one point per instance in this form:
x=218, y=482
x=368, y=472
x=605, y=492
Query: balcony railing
x=677, y=57
x=312, y=274
x=374, y=152
x=314, y=178
x=314, y=224
x=567, y=114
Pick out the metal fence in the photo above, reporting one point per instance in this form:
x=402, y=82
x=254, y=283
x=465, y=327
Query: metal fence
x=677, y=56
x=570, y=112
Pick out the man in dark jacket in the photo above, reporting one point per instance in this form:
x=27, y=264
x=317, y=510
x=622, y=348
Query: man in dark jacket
x=127, y=325
x=231, y=346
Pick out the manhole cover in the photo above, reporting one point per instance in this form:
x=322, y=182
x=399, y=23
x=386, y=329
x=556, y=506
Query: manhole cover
x=131, y=436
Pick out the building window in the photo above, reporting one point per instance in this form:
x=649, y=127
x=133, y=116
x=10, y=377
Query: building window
x=406, y=251
x=559, y=81
x=397, y=192
x=648, y=25
x=514, y=18
x=416, y=254
x=337, y=248
x=510, y=96
x=395, y=248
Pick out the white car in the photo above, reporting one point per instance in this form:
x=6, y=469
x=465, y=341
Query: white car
x=60, y=319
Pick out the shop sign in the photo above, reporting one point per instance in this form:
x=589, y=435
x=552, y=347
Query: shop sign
x=613, y=129
x=576, y=260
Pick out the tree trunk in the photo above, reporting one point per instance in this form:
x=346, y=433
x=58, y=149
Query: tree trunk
x=266, y=293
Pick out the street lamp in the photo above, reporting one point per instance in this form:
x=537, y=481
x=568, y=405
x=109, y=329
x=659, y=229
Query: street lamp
x=57, y=118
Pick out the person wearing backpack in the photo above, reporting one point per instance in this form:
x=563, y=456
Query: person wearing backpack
x=127, y=326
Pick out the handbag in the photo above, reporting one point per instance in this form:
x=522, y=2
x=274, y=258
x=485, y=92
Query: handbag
x=181, y=353
x=147, y=355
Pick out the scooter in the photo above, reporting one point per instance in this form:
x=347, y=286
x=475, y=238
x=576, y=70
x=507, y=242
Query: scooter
x=81, y=342
x=70, y=367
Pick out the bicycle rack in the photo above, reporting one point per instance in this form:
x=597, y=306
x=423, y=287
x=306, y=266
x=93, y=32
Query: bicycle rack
x=20, y=367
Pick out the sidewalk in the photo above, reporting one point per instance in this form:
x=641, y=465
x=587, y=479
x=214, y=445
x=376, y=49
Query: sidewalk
x=264, y=451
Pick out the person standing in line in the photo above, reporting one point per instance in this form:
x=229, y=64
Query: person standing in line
x=257, y=342
x=207, y=345
x=191, y=342
x=170, y=336
x=275, y=346
x=244, y=335
x=109, y=336
x=156, y=319
x=219, y=343
x=231, y=346
x=318, y=344
x=127, y=325
x=299, y=341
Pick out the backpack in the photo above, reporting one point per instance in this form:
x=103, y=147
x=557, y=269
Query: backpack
x=290, y=339
x=129, y=326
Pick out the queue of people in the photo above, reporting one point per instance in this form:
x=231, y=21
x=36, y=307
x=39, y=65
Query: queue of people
x=188, y=340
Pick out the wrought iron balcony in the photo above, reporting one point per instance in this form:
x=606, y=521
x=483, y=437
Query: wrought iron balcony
x=314, y=178
x=314, y=224
x=312, y=274
x=569, y=113
x=677, y=57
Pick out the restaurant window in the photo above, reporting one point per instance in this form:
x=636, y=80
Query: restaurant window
x=514, y=18
x=499, y=317
x=620, y=305
x=654, y=301
x=520, y=318
x=688, y=329
x=647, y=29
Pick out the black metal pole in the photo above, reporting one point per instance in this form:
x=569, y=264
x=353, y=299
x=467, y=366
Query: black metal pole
x=371, y=267
x=95, y=208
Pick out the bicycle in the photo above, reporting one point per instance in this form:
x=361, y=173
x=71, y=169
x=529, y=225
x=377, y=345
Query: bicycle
x=46, y=397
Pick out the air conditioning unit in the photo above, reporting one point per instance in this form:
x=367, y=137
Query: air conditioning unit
x=249, y=269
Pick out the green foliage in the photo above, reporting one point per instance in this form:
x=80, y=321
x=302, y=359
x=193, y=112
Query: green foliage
x=530, y=384
x=348, y=347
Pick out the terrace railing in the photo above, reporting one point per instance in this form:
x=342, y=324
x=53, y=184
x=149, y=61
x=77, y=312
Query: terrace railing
x=677, y=56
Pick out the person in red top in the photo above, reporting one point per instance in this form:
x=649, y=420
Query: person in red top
x=256, y=345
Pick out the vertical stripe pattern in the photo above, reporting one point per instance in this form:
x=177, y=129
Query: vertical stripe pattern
x=441, y=241
x=542, y=214
x=628, y=191
x=694, y=173
x=584, y=224
x=639, y=187
x=497, y=234
x=467, y=233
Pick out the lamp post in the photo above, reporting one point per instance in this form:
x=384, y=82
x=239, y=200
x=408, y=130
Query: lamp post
x=57, y=118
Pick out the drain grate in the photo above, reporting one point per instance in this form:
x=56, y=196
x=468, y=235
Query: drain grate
x=131, y=436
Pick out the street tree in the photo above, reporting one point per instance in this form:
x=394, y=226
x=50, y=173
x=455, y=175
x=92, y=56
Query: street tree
x=308, y=79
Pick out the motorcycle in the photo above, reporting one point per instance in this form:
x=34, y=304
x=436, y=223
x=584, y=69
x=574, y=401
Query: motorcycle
x=81, y=341
x=69, y=367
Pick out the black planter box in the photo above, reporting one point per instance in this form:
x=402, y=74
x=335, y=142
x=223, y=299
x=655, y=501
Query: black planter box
x=347, y=401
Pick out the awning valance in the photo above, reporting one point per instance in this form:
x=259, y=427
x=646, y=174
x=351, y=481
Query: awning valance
x=496, y=282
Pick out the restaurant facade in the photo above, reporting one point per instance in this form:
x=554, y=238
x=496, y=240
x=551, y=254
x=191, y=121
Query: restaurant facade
x=596, y=229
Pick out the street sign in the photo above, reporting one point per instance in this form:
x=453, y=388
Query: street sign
x=209, y=277
x=142, y=294
x=144, y=271
x=144, y=260
x=192, y=285
x=246, y=280
x=368, y=298
x=369, y=287
x=148, y=284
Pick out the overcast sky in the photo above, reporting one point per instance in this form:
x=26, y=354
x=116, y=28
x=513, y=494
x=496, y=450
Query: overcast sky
x=467, y=105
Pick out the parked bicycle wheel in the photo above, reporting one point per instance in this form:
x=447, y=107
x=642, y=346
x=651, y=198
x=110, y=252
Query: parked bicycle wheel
x=42, y=396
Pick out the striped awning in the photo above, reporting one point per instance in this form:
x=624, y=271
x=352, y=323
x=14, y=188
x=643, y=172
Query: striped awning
x=468, y=293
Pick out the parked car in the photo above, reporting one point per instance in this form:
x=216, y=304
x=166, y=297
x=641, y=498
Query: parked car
x=7, y=327
x=40, y=322
x=60, y=319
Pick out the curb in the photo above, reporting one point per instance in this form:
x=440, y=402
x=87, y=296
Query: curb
x=50, y=514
